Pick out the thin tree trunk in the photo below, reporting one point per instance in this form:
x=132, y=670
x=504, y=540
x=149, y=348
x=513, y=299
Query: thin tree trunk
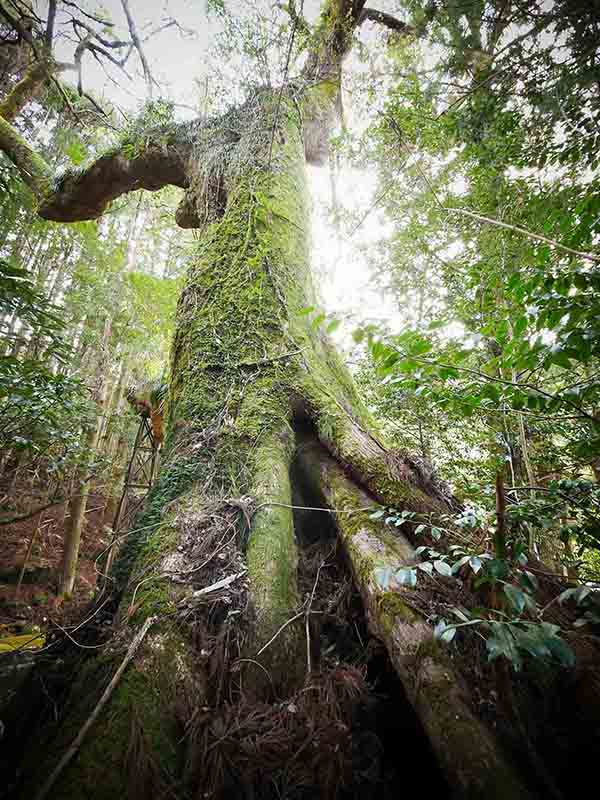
x=78, y=505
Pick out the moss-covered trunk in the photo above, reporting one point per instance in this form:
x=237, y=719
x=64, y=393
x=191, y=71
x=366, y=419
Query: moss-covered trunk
x=214, y=558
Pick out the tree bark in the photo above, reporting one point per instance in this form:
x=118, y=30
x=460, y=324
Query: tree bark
x=248, y=369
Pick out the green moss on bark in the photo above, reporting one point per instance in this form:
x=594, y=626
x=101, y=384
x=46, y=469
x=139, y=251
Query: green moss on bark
x=138, y=724
x=272, y=559
x=33, y=168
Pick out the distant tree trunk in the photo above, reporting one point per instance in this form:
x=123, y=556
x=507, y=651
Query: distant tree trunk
x=81, y=484
x=114, y=444
x=75, y=519
x=115, y=483
x=58, y=281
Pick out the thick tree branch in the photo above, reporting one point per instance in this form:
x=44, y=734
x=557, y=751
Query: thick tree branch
x=372, y=15
x=24, y=91
x=23, y=31
x=39, y=35
x=332, y=40
x=83, y=195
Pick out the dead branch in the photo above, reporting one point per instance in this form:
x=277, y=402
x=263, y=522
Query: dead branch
x=137, y=43
x=86, y=14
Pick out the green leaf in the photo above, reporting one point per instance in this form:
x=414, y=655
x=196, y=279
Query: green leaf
x=502, y=643
x=561, y=651
x=448, y=372
x=443, y=568
x=475, y=564
x=561, y=359
x=317, y=321
x=516, y=597
x=460, y=563
x=497, y=568
x=519, y=326
x=460, y=614
x=444, y=632
x=568, y=593
x=550, y=629
x=532, y=642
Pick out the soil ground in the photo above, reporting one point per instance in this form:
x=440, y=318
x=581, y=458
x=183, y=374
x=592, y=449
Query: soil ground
x=34, y=602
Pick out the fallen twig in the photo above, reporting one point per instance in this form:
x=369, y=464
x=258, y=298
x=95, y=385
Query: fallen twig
x=222, y=584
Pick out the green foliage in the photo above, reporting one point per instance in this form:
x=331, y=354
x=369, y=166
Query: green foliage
x=150, y=126
x=82, y=307
x=513, y=629
x=20, y=299
x=36, y=402
x=494, y=362
x=567, y=508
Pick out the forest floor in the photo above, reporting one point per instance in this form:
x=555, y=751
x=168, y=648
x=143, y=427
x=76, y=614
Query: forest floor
x=34, y=603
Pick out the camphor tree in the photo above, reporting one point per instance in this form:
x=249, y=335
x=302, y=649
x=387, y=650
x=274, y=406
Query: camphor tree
x=262, y=414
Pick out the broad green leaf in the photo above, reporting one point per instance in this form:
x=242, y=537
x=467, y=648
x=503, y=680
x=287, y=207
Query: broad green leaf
x=406, y=577
x=516, y=597
x=443, y=568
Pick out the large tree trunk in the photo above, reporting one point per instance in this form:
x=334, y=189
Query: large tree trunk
x=226, y=693
x=251, y=379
